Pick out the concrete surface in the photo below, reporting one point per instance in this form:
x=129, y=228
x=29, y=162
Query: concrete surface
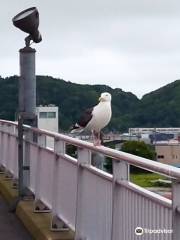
x=10, y=226
x=38, y=224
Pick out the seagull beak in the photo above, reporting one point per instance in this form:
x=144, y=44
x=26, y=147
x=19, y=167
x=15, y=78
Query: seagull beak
x=101, y=99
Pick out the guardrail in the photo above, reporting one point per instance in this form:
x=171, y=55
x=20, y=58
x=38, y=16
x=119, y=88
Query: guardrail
x=93, y=203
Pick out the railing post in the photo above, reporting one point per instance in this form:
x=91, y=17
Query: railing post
x=84, y=159
x=120, y=173
x=26, y=163
x=20, y=156
x=10, y=155
x=8, y=175
x=15, y=165
x=60, y=149
x=2, y=167
x=176, y=210
x=6, y=152
x=38, y=205
x=42, y=140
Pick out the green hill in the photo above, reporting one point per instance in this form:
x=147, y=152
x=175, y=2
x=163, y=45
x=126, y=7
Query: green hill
x=158, y=108
x=71, y=99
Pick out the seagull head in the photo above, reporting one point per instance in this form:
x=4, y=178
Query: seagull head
x=105, y=97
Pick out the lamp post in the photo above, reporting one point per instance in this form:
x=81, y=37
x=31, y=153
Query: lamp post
x=27, y=21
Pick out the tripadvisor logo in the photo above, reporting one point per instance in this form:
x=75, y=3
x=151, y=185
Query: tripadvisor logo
x=139, y=231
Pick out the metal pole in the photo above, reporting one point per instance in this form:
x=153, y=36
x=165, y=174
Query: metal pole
x=27, y=84
x=27, y=112
x=20, y=156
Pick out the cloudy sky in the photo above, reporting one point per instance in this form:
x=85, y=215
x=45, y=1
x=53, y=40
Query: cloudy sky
x=129, y=44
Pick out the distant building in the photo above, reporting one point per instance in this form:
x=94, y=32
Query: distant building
x=137, y=131
x=151, y=135
x=168, y=152
x=161, y=137
x=48, y=119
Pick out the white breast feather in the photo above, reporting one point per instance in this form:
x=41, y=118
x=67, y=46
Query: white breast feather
x=101, y=116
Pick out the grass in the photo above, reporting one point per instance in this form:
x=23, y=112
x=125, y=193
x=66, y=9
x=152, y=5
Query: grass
x=144, y=179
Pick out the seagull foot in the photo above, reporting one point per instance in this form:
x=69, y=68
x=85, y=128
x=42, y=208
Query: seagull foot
x=97, y=143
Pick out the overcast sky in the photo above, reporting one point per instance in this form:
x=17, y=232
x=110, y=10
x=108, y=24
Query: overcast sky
x=129, y=44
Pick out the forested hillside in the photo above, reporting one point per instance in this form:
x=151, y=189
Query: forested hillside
x=159, y=108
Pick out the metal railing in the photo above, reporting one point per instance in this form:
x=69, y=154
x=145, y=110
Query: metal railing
x=93, y=203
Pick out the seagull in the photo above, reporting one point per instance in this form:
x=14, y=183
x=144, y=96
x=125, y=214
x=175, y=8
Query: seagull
x=96, y=118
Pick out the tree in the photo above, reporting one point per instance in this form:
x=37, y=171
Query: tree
x=139, y=148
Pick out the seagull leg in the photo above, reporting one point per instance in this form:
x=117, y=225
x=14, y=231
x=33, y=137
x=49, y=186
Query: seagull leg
x=97, y=140
x=93, y=136
x=101, y=138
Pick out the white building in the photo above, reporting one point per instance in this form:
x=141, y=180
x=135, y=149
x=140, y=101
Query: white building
x=48, y=119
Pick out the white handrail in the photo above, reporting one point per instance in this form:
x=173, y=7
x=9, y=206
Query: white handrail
x=97, y=205
x=141, y=162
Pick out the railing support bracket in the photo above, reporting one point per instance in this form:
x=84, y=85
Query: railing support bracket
x=8, y=175
x=40, y=207
x=15, y=183
x=2, y=169
x=58, y=224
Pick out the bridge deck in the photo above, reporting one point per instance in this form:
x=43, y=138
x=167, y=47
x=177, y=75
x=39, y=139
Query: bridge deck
x=10, y=226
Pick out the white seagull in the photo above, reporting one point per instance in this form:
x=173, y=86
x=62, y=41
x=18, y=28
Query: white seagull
x=96, y=118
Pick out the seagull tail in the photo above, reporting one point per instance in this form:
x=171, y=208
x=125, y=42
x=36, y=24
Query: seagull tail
x=76, y=129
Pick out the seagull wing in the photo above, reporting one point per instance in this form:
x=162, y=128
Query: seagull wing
x=83, y=121
x=85, y=117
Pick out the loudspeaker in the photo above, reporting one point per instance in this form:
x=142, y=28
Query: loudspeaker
x=28, y=21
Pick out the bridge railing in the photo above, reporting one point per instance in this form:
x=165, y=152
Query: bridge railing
x=93, y=203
